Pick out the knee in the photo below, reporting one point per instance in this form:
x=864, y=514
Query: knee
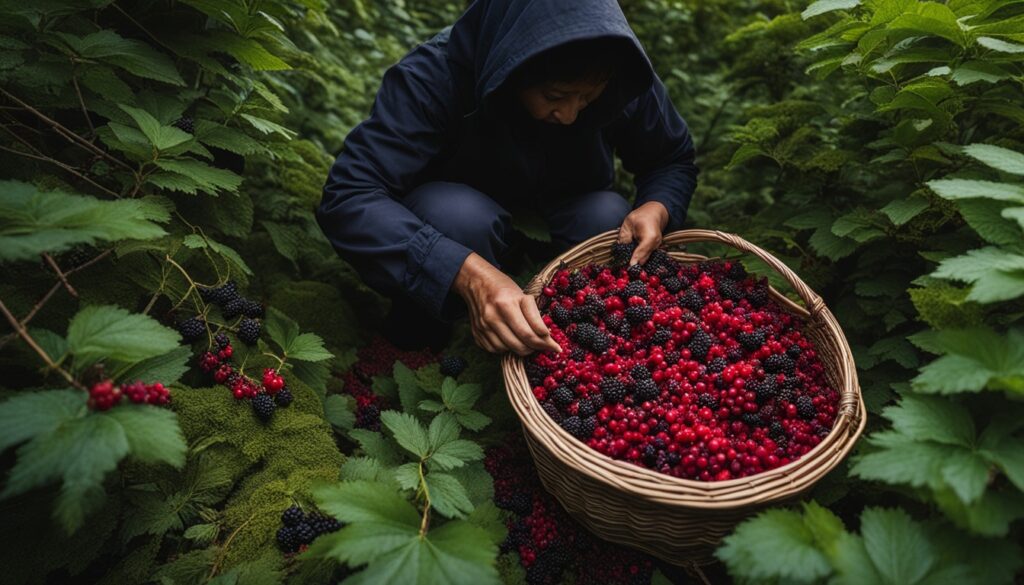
x=604, y=211
x=460, y=212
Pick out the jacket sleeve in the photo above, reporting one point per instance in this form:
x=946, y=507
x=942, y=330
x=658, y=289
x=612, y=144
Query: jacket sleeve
x=383, y=159
x=654, y=144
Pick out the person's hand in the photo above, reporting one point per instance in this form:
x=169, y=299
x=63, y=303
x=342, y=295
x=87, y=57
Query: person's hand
x=645, y=225
x=502, y=317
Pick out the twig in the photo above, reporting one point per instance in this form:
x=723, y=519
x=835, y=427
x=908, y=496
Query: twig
x=60, y=275
x=425, y=523
x=66, y=167
x=224, y=549
x=81, y=102
x=23, y=333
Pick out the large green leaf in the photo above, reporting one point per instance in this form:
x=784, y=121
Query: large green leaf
x=997, y=157
x=362, y=502
x=136, y=57
x=34, y=221
x=986, y=217
x=928, y=418
x=210, y=179
x=897, y=546
x=167, y=368
x=967, y=188
x=152, y=433
x=99, y=332
x=774, y=545
x=448, y=496
x=824, y=6
x=408, y=432
x=37, y=413
x=996, y=274
x=975, y=359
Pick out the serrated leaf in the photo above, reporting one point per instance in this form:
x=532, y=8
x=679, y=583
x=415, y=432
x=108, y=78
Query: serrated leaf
x=431, y=406
x=366, y=502
x=990, y=515
x=196, y=241
x=308, y=347
x=281, y=329
x=830, y=245
x=99, y=332
x=903, y=461
x=375, y=445
x=774, y=545
x=79, y=452
x=443, y=429
x=996, y=274
x=1000, y=45
x=900, y=211
x=338, y=411
x=409, y=392
x=448, y=496
x=362, y=469
x=966, y=473
x=980, y=358
x=136, y=57
x=160, y=136
x=825, y=6
x=927, y=418
x=267, y=127
x=53, y=344
x=457, y=453
x=969, y=188
x=408, y=475
x=34, y=221
x=852, y=563
x=408, y=432
x=202, y=534
x=1015, y=214
x=985, y=217
x=997, y=157
x=210, y=179
x=1008, y=454
x=897, y=546
x=167, y=368
x=357, y=544
x=462, y=397
x=30, y=414
x=153, y=434
x=473, y=420
x=826, y=527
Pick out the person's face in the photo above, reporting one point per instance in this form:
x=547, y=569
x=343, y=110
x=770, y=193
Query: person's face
x=560, y=102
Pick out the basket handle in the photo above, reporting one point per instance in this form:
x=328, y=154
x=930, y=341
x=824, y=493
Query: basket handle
x=811, y=299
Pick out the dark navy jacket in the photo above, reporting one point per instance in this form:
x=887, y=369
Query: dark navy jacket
x=441, y=115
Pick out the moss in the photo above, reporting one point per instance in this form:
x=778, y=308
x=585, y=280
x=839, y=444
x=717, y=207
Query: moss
x=320, y=308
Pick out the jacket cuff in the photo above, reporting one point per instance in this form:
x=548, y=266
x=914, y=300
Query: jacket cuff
x=433, y=262
x=676, y=212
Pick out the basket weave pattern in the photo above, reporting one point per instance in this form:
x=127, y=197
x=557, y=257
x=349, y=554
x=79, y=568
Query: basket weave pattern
x=678, y=520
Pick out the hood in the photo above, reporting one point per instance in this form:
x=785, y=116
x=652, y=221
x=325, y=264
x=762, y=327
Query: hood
x=494, y=37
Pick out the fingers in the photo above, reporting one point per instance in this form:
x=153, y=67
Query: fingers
x=626, y=232
x=649, y=238
x=536, y=322
x=520, y=327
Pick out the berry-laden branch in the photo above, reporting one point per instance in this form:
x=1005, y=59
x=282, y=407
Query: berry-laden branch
x=23, y=333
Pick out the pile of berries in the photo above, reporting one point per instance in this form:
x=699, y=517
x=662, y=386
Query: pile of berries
x=265, y=397
x=231, y=304
x=299, y=530
x=550, y=544
x=104, y=395
x=378, y=359
x=691, y=370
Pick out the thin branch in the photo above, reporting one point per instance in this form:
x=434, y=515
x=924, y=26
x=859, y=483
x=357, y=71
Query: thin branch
x=81, y=102
x=224, y=549
x=23, y=333
x=60, y=275
x=66, y=167
x=143, y=29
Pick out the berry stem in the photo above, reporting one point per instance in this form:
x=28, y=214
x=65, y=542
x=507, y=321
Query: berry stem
x=425, y=523
x=23, y=333
x=224, y=548
x=280, y=360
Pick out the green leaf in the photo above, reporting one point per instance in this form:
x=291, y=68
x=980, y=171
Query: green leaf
x=80, y=452
x=1008, y=454
x=985, y=216
x=363, y=469
x=746, y=152
x=902, y=461
x=966, y=473
x=443, y=429
x=930, y=18
x=30, y=414
x=830, y=245
x=408, y=475
x=136, y=57
x=196, y=241
x=307, y=347
x=852, y=563
x=826, y=527
x=99, y=332
x=976, y=359
x=926, y=418
x=1015, y=214
x=969, y=188
x=153, y=434
x=448, y=496
x=975, y=71
x=999, y=45
x=457, y=453
x=338, y=411
x=825, y=6
x=997, y=157
x=357, y=544
x=897, y=546
x=409, y=392
x=461, y=398
x=210, y=179
x=160, y=136
x=281, y=329
x=375, y=445
x=267, y=127
x=167, y=368
x=900, y=211
x=408, y=432
x=990, y=515
x=996, y=274
x=202, y=534
x=473, y=420
x=34, y=221
x=776, y=544
x=366, y=502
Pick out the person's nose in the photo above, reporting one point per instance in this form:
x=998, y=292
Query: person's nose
x=569, y=113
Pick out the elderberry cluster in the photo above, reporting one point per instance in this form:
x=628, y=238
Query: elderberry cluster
x=689, y=369
x=300, y=529
x=265, y=397
x=104, y=395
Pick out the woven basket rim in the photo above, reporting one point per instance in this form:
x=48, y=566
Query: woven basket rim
x=714, y=494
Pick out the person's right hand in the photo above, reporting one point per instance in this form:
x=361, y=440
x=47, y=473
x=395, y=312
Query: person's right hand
x=502, y=317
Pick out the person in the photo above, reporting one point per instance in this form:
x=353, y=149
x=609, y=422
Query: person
x=520, y=105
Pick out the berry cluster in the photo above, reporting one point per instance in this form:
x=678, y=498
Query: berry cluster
x=265, y=397
x=300, y=529
x=232, y=304
x=104, y=395
x=453, y=365
x=377, y=359
x=691, y=370
x=550, y=544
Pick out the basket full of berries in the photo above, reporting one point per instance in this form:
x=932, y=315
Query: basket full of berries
x=687, y=395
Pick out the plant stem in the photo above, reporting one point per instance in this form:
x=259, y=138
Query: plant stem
x=23, y=333
x=425, y=523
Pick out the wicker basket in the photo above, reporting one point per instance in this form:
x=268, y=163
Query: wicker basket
x=681, y=521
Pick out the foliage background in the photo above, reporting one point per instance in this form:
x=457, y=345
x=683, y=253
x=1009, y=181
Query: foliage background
x=874, y=146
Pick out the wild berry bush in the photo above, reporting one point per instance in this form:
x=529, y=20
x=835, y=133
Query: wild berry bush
x=192, y=387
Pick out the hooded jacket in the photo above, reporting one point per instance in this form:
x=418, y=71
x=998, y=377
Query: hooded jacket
x=441, y=114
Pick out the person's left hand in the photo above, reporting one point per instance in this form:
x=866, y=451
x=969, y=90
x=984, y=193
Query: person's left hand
x=644, y=224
